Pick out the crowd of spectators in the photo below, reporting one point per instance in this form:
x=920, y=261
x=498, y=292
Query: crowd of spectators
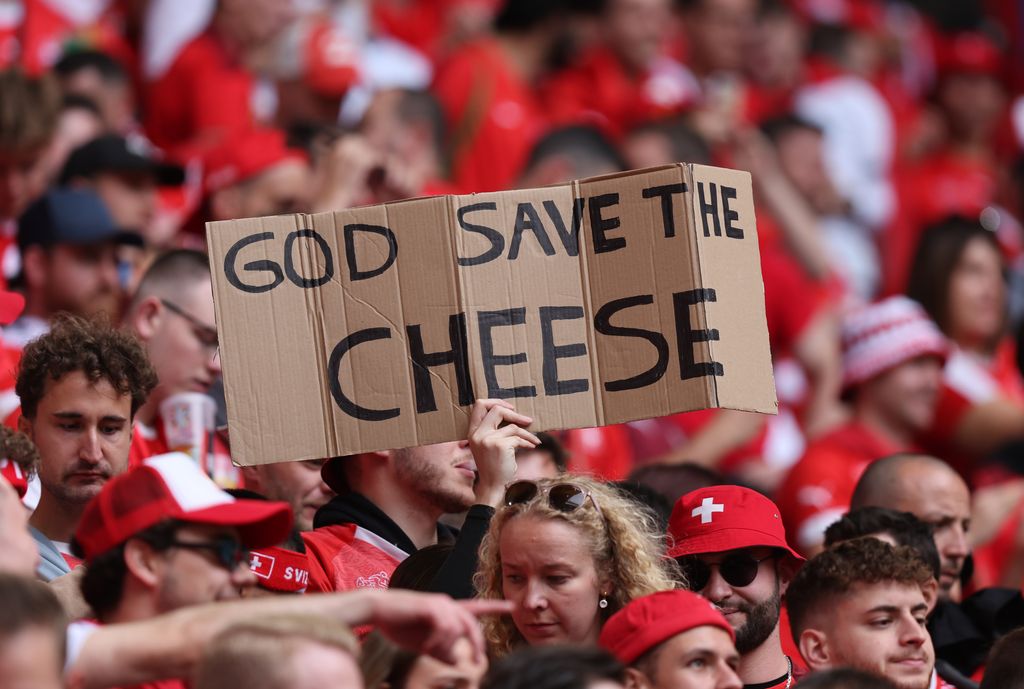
x=870, y=535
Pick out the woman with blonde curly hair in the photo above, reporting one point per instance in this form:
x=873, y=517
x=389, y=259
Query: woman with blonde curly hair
x=569, y=552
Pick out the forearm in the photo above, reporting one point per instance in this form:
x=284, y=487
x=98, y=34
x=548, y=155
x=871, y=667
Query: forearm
x=170, y=645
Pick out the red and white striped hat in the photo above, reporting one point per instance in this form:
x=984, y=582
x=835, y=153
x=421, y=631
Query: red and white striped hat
x=171, y=486
x=879, y=336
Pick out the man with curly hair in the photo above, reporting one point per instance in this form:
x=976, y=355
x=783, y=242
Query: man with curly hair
x=864, y=604
x=80, y=386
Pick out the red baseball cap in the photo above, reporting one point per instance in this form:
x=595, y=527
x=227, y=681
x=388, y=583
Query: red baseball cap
x=245, y=155
x=171, y=486
x=280, y=569
x=332, y=59
x=969, y=52
x=650, y=620
x=720, y=518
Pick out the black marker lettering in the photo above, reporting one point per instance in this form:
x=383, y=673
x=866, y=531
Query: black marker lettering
x=602, y=323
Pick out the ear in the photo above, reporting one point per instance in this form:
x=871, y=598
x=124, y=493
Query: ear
x=226, y=204
x=814, y=648
x=931, y=594
x=145, y=318
x=785, y=571
x=25, y=425
x=253, y=479
x=143, y=562
x=35, y=265
x=637, y=680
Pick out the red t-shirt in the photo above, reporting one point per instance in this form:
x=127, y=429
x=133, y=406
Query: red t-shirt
x=345, y=556
x=818, y=489
x=492, y=115
x=600, y=89
x=944, y=184
x=203, y=98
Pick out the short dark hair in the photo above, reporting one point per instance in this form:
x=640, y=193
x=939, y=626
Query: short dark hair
x=170, y=271
x=835, y=572
x=904, y=527
x=845, y=678
x=585, y=147
x=674, y=481
x=418, y=571
x=777, y=127
x=520, y=16
x=550, y=443
x=109, y=69
x=30, y=604
x=28, y=110
x=1004, y=669
x=553, y=667
x=96, y=349
x=103, y=582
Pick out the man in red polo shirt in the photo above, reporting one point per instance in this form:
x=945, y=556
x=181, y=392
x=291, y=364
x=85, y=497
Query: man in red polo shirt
x=892, y=370
x=731, y=546
x=673, y=640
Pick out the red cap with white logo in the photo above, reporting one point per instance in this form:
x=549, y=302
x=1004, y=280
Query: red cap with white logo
x=720, y=518
x=171, y=486
x=280, y=569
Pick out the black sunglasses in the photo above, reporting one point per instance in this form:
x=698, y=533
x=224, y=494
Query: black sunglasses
x=564, y=497
x=737, y=569
x=228, y=552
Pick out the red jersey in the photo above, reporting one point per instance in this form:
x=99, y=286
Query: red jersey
x=944, y=184
x=345, y=556
x=818, y=489
x=200, y=100
x=604, y=451
x=492, y=115
x=601, y=89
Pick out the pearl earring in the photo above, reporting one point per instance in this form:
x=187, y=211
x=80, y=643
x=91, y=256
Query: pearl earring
x=603, y=603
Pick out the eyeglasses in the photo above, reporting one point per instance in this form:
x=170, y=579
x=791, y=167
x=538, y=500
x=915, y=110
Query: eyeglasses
x=737, y=569
x=564, y=497
x=228, y=552
x=207, y=335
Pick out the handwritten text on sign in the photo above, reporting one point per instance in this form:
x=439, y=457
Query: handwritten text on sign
x=595, y=302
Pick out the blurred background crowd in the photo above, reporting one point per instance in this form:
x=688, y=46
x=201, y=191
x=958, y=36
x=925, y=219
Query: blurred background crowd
x=885, y=140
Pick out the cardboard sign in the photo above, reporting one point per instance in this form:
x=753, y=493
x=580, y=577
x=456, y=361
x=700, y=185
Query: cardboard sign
x=600, y=301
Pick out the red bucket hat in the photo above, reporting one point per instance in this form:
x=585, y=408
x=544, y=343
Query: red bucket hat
x=720, y=518
x=171, y=486
x=650, y=620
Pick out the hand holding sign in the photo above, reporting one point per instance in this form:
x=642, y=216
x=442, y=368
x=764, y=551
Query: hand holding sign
x=494, y=446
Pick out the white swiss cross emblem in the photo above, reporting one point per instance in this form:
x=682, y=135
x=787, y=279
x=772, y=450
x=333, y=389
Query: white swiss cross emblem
x=262, y=565
x=707, y=508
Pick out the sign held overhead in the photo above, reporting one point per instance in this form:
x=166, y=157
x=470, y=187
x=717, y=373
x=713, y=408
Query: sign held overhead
x=600, y=301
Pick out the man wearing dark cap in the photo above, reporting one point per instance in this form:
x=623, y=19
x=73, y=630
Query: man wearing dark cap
x=673, y=640
x=124, y=173
x=731, y=546
x=68, y=243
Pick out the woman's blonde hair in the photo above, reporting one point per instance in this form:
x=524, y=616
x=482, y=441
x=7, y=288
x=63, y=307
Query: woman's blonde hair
x=624, y=538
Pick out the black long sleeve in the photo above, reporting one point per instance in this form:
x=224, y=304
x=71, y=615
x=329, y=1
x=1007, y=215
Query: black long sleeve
x=456, y=575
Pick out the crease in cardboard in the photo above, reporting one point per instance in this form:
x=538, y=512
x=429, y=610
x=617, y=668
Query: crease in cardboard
x=583, y=241
x=710, y=383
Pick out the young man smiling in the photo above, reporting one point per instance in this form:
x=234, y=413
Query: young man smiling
x=731, y=545
x=864, y=604
x=80, y=386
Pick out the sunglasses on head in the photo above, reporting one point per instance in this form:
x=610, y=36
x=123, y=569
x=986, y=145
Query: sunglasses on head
x=737, y=569
x=564, y=497
x=228, y=552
